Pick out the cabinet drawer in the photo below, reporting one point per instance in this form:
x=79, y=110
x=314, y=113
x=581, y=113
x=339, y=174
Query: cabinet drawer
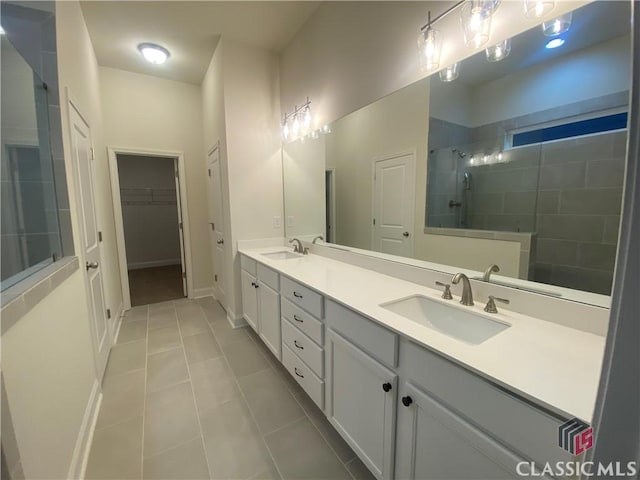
x=304, y=376
x=375, y=339
x=268, y=276
x=302, y=296
x=303, y=320
x=303, y=347
x=527, y=430
x=249, y=264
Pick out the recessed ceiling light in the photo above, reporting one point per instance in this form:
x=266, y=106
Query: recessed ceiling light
x=154, y=53
x=555, y=43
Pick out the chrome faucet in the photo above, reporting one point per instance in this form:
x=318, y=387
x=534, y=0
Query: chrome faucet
x=487, y=273
x=467, y=295
x=319, y=237
x=297, y=246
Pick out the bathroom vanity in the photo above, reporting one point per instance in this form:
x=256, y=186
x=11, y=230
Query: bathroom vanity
x=397, y=373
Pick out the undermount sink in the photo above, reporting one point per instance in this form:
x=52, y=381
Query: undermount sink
x=452, y=321
x=281, y=255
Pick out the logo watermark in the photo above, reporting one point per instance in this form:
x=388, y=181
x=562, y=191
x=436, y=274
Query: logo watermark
x=575, y=436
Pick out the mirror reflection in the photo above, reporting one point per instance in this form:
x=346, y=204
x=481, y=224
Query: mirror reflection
x=514, y=156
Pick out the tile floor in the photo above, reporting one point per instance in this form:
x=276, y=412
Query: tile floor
x=185, y=396
x=155, y=284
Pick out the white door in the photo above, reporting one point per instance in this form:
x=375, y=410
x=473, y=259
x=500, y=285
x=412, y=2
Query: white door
x=393, y=203
x=249, y=299
x=361, y=403
x=183, y=261
x=82, y=154
x=216, y=224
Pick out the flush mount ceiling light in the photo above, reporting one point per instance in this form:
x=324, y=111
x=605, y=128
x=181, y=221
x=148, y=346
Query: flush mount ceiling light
x=450, y=73
x=555, y=43
x=538, y=8
x=499, y=51
x=476, y=24
x=557, y=26
x=154, y=53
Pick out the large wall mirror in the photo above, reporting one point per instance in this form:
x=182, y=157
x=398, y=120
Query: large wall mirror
x=518, y=162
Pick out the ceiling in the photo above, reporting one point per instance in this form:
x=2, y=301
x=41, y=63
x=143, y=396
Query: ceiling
x=190, y=30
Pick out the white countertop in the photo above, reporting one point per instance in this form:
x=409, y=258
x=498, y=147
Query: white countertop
x=552, y=365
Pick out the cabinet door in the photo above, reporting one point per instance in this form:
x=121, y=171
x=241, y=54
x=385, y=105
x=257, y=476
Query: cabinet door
x=361, y=403
x=250, y=299
x=269, y=301
x=435, y=443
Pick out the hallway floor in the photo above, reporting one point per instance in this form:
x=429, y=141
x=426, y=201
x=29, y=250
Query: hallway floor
x=155, y=284
x=188, y=397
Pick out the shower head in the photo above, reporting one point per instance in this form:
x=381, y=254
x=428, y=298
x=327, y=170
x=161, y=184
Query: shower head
x=460, y=153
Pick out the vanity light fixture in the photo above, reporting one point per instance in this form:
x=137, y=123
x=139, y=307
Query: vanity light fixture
x=472, y=160
x=297, y=124
x=557, y=26
x=499, y=51
x=554, y=43
x=538, y=8
x=154, y=53
x=1, y=30
x=450, y=73
x=429, y=47
x=476, y=24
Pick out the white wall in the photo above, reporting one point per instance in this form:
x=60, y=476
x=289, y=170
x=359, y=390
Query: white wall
x=151, y=231
x=47, y=358
x=586, y=74
x=151, y=113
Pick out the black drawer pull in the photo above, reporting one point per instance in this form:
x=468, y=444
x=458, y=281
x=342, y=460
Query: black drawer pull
x=298, y=373
x=295, y=342
x=386, y=387
x=253, y=284
x=297, y=319
x=406, y=401
x=297, y=295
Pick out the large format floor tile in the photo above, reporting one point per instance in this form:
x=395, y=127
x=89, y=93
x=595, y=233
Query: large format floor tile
x=193, y=398
x=116, y=451
x=272, y=404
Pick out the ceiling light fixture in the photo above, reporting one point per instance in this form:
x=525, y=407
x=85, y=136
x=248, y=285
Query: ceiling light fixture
x=538, y=8
x=557, y=26
x=298, y=124
x=499, y=51
x=555, y=43
x=1, y=30
x=450, y=73
x=154, y=53
x=429, y=47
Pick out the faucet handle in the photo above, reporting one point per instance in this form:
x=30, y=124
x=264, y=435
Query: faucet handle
x=447, y=290
x=491, y=304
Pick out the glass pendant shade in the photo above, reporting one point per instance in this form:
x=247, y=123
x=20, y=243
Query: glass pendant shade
x=499, y=51
x=450, y=73
x=475, y=25
x=486, y=7
x=557, y=26
x=538, y=8
x=429, y=49
x=285, y=131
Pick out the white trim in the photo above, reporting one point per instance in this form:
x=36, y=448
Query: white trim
x=204, y=292
x=119, y=224
x=409, y=152
x=154, y=263
x=234, y=320
x=80, y=457
x=333, y=206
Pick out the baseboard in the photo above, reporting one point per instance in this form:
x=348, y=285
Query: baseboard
x=154, y=263
x=117, y=322
x=85, y=435
x=234, y=320
x=203, y=292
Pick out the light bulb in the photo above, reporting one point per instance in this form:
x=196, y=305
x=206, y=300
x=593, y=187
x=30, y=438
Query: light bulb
x=306, y=120
x=429, y=49
x=295, y=128
x=499, y=51
x=476, y=24
x=472, y=160
x=315, y=134
x=485, y=159
x=499, y=156
x=285, y=131
x=326, y=129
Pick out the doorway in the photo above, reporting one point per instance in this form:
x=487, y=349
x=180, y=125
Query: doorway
x=151, y=226
x=393, y=204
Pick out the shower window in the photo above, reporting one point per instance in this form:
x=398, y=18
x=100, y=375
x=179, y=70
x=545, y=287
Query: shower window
x=30, y=227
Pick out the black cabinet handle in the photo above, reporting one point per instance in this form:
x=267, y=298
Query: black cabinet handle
x=386, y=387
x=297, y=295
x=297, y=319
x=298, y=373
x=295, y=342
x=253, y=284
x=406, y=401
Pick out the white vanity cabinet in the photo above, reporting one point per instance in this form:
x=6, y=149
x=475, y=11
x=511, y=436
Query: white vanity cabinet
x=261, y=302
x=361, y=387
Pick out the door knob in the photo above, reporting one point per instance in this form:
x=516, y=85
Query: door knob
x=405, y=234
x=91, y=265
x=220, y=242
